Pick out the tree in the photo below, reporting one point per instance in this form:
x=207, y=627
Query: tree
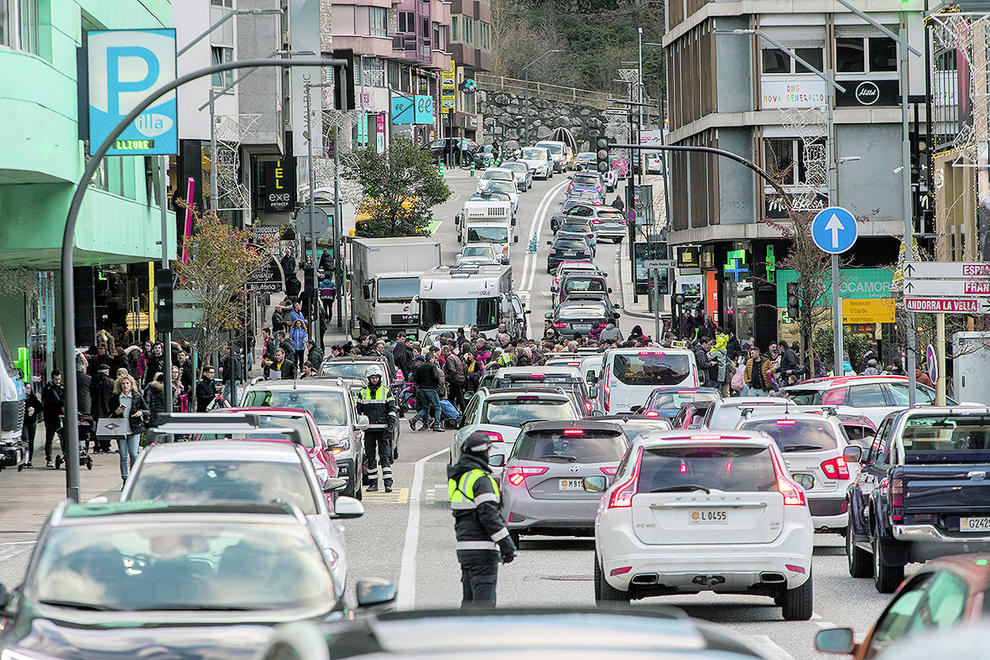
x=222, y=260
x=401, y=187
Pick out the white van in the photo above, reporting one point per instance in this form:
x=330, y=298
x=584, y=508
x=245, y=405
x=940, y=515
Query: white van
x=629, y=375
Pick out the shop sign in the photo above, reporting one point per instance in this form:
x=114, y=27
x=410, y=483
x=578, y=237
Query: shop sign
x=279, y=180
x=855, y=283
x=796, y=92
x=867, y=310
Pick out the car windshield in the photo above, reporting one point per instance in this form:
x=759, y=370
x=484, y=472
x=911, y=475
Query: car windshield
x=553, y=148
x=516, y=411
x=651, y=368
x=346, y=369
x=585, y=180
x=180, y=565
x=571, y=445
x=329, y=408
x=729, y=469
x=794, y=434
x=577, y=312
x=497, y=234
x=297, y=422
x=482, y=312
x=500, y=185
x=533, y=153
x=397, y=289
x=946, y=439
x=674, y=400
x=477, y=251
x=209, y=482
x=489, y=196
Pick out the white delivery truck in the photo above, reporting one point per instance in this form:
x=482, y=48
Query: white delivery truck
x=471, y=295
x=386, y=274
x=487, y=221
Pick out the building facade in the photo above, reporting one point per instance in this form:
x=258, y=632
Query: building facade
x=736, y=91
x=42, y=156
x=471, y=46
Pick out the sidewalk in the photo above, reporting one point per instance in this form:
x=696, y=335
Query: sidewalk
x=641, y=308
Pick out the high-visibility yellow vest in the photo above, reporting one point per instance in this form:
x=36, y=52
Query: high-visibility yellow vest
x=461, y=492
x=380, y=394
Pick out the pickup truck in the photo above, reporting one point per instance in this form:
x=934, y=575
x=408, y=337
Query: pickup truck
x=923, y=491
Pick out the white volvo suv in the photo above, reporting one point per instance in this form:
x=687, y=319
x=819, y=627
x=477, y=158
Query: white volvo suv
x=705, y=511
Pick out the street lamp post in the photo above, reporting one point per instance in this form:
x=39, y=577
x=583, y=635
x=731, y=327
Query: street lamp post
x=526, y=69
x=316, y=334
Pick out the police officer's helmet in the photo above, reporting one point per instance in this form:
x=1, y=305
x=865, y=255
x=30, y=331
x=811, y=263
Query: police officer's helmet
x=478, y=442
x=373, y=372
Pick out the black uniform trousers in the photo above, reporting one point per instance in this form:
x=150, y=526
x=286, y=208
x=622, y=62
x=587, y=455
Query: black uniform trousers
x=479, y=576
x=378, y=449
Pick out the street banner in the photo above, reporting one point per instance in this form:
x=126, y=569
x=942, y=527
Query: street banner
x=304, y=17
x=124, y=67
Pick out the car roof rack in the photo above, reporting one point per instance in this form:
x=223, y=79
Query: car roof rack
x=237, y=423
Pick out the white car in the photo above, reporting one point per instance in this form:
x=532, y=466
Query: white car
x=558, y=152
x=691, y=512
x=506, y=186
x=482, y=254
x=495, y=174
x=814, y=449
x=538, y=161
x=724, y=414
x=212, y=471
x=654, y=163
x=524, y=178
x=629, y=375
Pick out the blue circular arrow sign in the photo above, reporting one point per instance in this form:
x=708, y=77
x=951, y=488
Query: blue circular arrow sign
x=834, y=230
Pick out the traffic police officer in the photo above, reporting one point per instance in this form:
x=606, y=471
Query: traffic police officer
x=481, y=533
x=378, y=404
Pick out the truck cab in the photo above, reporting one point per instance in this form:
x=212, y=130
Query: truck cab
x=487, y=221
x=479, y=296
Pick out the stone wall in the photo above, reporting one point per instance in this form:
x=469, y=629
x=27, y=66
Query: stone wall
x=504, y=118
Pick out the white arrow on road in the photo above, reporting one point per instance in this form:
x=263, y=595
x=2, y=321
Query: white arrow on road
x=834, y=225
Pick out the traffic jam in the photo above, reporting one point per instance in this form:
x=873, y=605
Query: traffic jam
x=228, y=538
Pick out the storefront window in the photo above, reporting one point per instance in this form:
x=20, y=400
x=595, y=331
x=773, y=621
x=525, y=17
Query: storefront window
x=849, y=55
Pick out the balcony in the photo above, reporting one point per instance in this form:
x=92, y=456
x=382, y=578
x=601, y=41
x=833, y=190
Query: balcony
x=440, y=60
x=440, y=10
x=363, y=44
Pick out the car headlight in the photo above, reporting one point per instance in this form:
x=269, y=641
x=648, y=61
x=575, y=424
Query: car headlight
x=343, y=444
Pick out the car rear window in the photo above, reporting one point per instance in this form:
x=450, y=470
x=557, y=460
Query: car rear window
x=674, y=400
x=946, y=439
x=804, y=397
x=571, y=446
x=651, y=368
x=329, y=408
x=726, y=417
x=514, y=412
x=586, y=180
x=584, y=284
x=794, y=434
x=611, y=216
x=569, y=244
x=298, y=423
x=730, y=469
x=583, y=312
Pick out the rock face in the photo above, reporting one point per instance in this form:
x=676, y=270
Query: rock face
x=505, y=118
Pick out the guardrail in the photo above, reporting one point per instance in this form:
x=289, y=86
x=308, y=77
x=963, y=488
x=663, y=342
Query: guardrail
x=493, y=83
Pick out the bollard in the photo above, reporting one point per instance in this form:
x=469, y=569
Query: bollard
x=441, y=168
x=472, y=169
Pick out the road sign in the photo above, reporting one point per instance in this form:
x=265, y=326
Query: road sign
x=124, y=66
x=834, y=230
x=931, y=363
x=268, y=280
x=947, y=287
x=948, y=305
x=659, y=264
x=321, y=220
x=867, y=310
x=631, y=215
x=939, y=270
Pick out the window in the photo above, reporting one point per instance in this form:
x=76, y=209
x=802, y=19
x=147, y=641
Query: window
x=222, y=54
x=378, y=20
x=796, y=435
x=849, y=55
x=865, y=55
x=426, y=26
x=453, y=28
x=785, y=157
x=19, y=24
x=898, y=620
x=883, y=54
x=406, y=22
x=587, y=446
x=925, y=395
x=777, y=61
x=866, y=396
x=222, y=3
x=946, y=600
x=729, y=469
x=468, y=30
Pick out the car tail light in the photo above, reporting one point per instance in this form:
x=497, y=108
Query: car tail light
x=620, y=571
x=560, y=325
x=835, y=468
x=596, y=221
x=587, y=253
x=570, y=186
x=589, y=235
x=610, y=471
x=895, y=494
x=518, y=473
x=493, y=436
x=786, y=422
x=794, y=568
x=652, y=413
x=621, y=497
x=573, y=431
x=793, y=495
x=598, y=188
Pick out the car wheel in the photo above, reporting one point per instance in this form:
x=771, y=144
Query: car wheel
x=857, y=559
x=797, y=603
x=885, y=577
x=604, y=592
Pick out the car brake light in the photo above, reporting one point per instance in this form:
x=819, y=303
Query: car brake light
x=573, y=431
x=559, y=325
x=597, y=221
x=521, y=399
x=494, y=436
x=518, y=473
x=620, y=571
x=641, y=353
x=835, y=468
x=896, y=496
x=652, y=413
x=786, y=422
x=570, y=186
x=621, y=497
x=793, y=495
x=705, y=438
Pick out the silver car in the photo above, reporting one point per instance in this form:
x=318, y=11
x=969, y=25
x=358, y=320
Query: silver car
x=332, y=406
x=555, y=476
x=524, y=176
x=212, y=471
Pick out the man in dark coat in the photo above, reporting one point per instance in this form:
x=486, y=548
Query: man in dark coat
x=101, y=395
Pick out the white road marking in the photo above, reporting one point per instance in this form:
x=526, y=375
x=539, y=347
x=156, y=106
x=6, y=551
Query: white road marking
x=536, y=228
x=825, y=625
x=767, y=647
x=407, y=568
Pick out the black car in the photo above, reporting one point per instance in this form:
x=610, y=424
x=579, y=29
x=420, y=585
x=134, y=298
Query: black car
x=151, y=579
x=462, y=150
x=580, y=317
x=568, y=249
x=578, y=282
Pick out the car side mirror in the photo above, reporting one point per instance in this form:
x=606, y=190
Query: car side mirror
x=852, y=454
x=554, y=289
x=375, y=592
x=635, y=409
x=597, y=413
x=347, y=507
x=549, y=242
x=366, y=290
x=527, y=311
x=595, y=484
x=513, y=223
x=362, y=422
x=458, y=219
x=835, y=640
x=334, y=485
x=497, y=460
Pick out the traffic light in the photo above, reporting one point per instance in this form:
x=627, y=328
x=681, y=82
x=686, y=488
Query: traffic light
x=793, y=302
x=163, y=299
x=601, y=154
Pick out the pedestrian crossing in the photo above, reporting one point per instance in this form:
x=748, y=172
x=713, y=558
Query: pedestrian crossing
x=400, y=496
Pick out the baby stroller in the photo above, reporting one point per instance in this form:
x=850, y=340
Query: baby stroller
x=85, y=430
x=448, y=414
x=405, y=395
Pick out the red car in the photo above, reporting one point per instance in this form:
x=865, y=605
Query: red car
x=302, y=421
x=942, y=593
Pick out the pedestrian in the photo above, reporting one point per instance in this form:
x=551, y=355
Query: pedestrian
x=142, y=359
x=708, y=329
x=268, y=344
x=180, y=394
x=758, y=371
x=101, y=393
x=376, y=401
x=308, y=370
x=428, y=379
x=33, y=409
x=296, y=314
x=130, y=407
x=280, y=367
x=155, y=397
x=482, y=537
x=474, y=371
x=206, y=389
x=789, y=365
x=84, y=402
x=610, y=333
x=315, y=354
x=102, y=357
x=456, y=376
x=402, y=355
x=704, y=363
x=721, y=370
x=285, y=344
x=871, y=368
x=921, y=375
x=53, y=402
x=230, y=369
x=186, y=368
x=636, y=333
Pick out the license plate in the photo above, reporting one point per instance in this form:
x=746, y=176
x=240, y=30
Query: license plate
x=571, y=484
x=572, y=254
x=981, y=524
x=709, y=517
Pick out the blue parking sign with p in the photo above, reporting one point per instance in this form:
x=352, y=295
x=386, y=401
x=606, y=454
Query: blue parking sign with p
x=124, y=67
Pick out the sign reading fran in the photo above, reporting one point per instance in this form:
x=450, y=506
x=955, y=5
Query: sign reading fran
x=278, y=179
x=124, y=67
